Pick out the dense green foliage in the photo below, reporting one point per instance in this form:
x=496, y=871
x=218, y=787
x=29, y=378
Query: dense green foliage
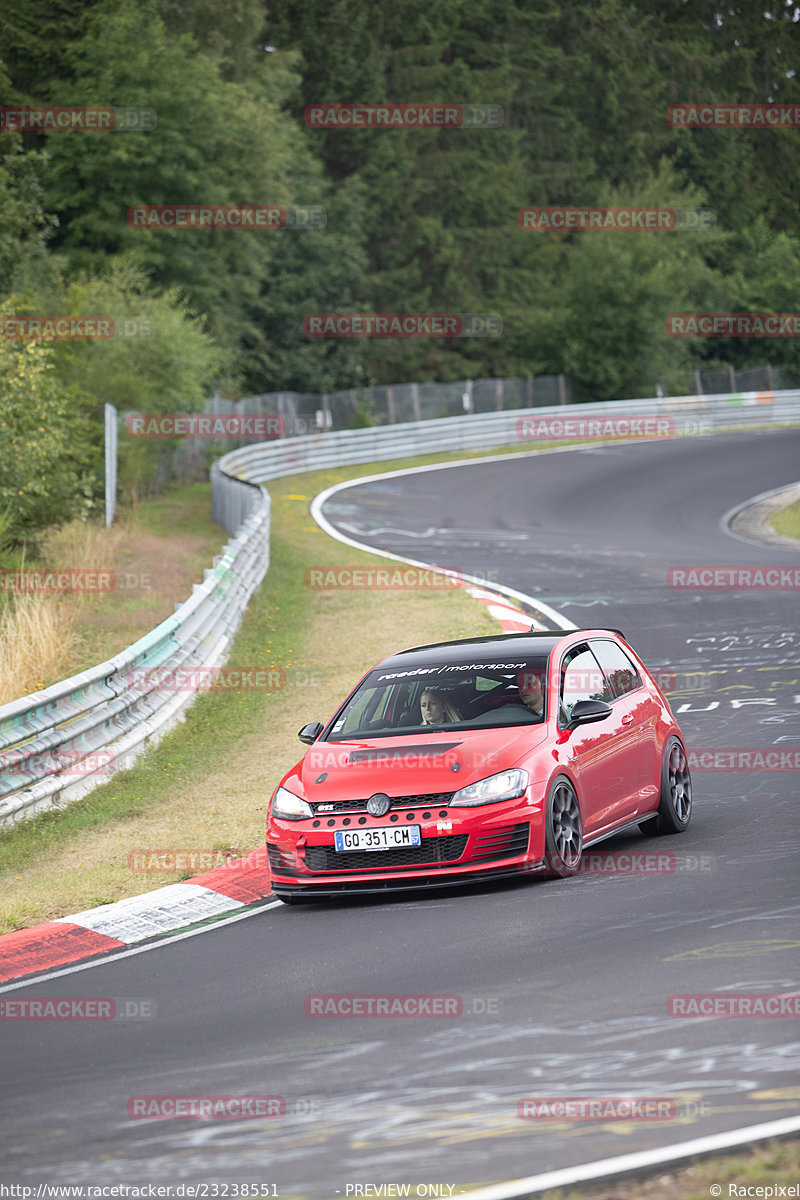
x=417, y=220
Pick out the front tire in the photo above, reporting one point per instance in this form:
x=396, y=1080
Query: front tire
x=563, y=838
x=675, y=804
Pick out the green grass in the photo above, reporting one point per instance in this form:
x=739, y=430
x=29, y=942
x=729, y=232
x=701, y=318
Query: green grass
x=787, y=521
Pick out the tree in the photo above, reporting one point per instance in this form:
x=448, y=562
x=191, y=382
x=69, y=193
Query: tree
x=25, y=223
x=215, y=141
x=611, y=297
x=46, y=470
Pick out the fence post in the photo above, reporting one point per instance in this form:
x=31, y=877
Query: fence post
x=415, y=400
x=110, y=414
x=562, y=391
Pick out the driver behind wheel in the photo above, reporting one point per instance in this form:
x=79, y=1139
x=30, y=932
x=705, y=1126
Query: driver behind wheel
x=529, y=683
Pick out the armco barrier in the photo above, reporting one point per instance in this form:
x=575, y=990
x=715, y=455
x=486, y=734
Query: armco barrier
x=94, y=711
x=47, y=738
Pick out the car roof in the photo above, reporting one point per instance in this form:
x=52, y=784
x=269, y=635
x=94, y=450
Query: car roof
x=537, y=643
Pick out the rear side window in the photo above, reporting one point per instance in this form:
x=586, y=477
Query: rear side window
x=622, y=675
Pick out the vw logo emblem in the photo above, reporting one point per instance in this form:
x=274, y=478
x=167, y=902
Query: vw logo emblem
x=378, y=805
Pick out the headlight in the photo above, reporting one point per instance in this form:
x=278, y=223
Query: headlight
x=506, y=785
x=289, y=807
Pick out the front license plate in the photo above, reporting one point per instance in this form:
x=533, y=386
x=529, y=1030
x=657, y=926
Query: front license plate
x=384, y=837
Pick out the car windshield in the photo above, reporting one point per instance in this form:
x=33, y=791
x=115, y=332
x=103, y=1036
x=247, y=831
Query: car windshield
x=426, y=699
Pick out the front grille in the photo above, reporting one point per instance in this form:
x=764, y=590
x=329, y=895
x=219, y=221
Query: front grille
x=501, y=843
x=431, y=799
x=434, y=851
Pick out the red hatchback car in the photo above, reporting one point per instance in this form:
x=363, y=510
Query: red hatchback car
x=479, y=758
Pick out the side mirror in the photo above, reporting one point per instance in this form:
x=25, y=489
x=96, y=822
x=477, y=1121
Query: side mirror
x=584, y=712
x=310, y=733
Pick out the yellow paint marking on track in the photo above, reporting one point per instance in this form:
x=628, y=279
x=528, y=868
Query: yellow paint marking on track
x=787, y=1093
x=747, y=949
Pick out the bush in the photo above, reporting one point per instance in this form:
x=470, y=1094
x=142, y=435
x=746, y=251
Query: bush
x=46, y=470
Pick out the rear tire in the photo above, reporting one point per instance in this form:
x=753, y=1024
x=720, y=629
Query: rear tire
x=675, y=804
x=563, y=839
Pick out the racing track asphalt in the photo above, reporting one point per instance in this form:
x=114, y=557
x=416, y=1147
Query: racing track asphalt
x=566, y=982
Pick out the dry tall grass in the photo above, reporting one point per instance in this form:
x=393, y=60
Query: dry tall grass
x=83, y=545
x=37, y=639
x=38, y=635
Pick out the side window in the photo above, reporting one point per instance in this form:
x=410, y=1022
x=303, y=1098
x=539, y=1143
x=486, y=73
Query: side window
x=362, y=711
x=373, y=708
x=621, y=673
x=581, y=679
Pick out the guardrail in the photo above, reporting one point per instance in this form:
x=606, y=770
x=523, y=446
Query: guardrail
x=50, y=741
x=60, y=743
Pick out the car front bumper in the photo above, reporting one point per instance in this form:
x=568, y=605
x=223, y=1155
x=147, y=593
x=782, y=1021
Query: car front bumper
x=456, y=850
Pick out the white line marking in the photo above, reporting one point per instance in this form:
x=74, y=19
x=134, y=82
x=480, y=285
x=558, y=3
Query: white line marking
x=558, y=619
x=602, y=1168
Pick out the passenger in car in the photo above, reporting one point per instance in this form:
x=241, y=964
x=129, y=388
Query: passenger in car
x=436, y=709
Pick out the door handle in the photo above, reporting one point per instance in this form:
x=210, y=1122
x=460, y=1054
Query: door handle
x=627, y=719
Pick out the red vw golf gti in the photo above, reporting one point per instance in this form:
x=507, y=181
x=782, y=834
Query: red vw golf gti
x=479, y=758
